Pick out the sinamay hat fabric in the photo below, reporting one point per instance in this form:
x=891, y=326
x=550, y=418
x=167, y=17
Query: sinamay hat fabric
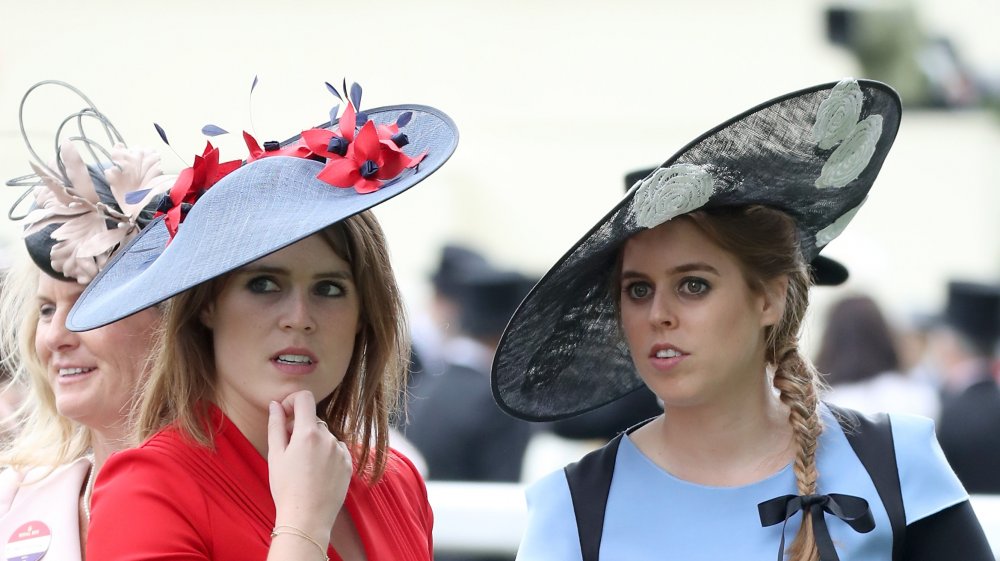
x=813, y=153
x=256, y=210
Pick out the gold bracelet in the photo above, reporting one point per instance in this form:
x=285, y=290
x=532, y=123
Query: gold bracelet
x=292, y=530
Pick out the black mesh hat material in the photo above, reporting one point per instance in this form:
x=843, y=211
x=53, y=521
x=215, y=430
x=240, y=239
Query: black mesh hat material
x=813, y=154
x=261, y=207
x=823, y=270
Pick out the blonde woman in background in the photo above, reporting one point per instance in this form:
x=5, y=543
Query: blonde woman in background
x=78, y=387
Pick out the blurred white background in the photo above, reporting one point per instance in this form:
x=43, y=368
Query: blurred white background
x=555, y=102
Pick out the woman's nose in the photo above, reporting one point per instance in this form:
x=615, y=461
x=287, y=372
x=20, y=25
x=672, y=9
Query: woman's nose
x=298, y=313
x=56, y=337
x=661, y=310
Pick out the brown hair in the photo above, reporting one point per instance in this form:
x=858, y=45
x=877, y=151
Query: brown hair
x=765, y=242
x=357, y=412
x=857, y=343
x=766, y=245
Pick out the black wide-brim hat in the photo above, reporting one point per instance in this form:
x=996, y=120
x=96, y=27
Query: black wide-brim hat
x=813, y=154
x=260, y=208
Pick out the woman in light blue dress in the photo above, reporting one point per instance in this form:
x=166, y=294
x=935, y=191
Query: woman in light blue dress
x=696, y=285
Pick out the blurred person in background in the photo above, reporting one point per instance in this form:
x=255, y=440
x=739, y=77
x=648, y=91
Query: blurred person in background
x=969, y=428
x=429, y=335
x=858, y=358
x=79, y=387
x=431, y=331
x=453, y=421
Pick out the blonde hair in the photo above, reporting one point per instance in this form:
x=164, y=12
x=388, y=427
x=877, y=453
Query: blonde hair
x=357, y=412
x=765, y=242
x=40, y=435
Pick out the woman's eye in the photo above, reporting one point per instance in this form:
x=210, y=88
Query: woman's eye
x=328, y=288
x=694, y=286
x=638, y=290
x=262, y=285
x=46, y=311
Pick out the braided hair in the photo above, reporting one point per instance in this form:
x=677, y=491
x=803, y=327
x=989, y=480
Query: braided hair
x=765, y=242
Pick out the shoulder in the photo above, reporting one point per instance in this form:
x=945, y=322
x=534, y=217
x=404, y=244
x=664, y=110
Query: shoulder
x=133, y=479
x=159, y=453
x=402, y=481
x=397, y=500
x=400, y=471
x=927, y=481
x=149, y=499
x=551, y=531
x=41, y=484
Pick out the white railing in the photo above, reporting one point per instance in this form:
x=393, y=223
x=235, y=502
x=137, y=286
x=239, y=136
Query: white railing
x=490, y=517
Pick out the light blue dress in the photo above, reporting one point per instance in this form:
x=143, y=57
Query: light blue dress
x=654, y=515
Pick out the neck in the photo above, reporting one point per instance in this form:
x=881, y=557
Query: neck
x=732, y=441
x=251, y=421
x=105, y=442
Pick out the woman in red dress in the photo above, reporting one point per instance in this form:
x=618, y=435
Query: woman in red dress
x=265, y=419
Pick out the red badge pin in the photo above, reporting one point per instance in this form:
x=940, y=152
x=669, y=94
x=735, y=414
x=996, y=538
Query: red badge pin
x=29, y=542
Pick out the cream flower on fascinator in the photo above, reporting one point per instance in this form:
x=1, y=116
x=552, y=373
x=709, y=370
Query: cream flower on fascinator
x=84, y=210
x=84, y=240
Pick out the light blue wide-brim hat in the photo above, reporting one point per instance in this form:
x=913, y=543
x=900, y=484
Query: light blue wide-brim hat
x=262, y=207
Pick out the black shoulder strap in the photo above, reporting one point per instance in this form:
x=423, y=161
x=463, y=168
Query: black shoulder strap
x=589, y=485
x=871, y=439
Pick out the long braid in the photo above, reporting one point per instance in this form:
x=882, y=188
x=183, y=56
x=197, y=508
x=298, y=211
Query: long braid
x=766, y=242
x=797, y=382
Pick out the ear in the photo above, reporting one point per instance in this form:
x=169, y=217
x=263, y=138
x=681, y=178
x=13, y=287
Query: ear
x=207, y=315
x=772, y=301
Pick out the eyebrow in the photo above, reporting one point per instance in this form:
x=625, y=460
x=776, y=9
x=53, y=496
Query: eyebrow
x=256, y=269
x=685, y=268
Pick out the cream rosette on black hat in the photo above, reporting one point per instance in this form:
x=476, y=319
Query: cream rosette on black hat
x=813, y=154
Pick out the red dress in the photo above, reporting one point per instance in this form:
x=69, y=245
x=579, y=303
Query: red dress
x=173, y=499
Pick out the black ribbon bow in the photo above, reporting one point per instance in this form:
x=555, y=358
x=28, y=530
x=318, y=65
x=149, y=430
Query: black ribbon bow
x=850, y=509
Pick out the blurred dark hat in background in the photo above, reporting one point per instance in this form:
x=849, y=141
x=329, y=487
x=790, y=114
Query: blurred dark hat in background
x=457, y=263
x=973, y=309
x=487, y=298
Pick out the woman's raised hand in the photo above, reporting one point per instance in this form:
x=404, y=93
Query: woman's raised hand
x=310, y=469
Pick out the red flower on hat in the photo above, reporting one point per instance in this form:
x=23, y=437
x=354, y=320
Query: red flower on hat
x=364, y=160
x=191, y=184
x=296, y=149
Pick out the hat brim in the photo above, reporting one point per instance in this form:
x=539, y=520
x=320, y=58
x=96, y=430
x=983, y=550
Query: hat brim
x=563, y=353
x=254, y=211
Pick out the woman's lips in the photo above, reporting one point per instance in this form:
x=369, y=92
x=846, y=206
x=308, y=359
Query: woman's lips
x=665, y=357
x=294, y=361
